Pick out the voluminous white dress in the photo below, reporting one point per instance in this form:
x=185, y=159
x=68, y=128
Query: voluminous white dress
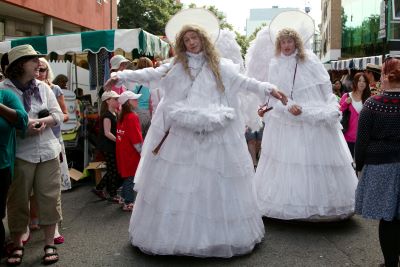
x=305, y=170
x=196, y=196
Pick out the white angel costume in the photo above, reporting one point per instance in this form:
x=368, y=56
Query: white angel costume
x=196, y=196
x=305, y=170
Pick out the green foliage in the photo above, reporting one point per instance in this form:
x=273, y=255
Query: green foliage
x=150, y=15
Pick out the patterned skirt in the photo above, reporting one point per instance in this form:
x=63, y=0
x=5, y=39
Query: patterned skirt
x=378, y=192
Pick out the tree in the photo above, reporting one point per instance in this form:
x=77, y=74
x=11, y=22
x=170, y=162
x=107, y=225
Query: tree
x=151, y=16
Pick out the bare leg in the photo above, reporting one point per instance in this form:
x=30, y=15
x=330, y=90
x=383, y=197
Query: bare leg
x=49, y=231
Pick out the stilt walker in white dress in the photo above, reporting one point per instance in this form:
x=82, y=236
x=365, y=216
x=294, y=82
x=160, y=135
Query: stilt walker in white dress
x=305, y=170
x=195, y=178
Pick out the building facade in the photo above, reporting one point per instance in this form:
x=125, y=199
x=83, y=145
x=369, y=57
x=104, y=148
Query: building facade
x=331, y=30
x=360, y=28
x=22, y=18
x=260, y=16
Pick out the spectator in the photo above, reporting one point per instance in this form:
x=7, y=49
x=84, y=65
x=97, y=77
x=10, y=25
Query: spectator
x=128, y=145
x=145, y=107
x=37, y=167
x=106, y=144
x=354, y=102
x=46, y=75
x=377, y=157
x=12, y=117
x=118, y=63
x=373, y=73
x=337, y=88
x=61, y=80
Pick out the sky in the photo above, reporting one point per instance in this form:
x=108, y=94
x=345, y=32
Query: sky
x=237, y=12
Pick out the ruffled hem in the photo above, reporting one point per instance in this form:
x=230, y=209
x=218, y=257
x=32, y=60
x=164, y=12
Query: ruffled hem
x=181, y=233
x=296, y=191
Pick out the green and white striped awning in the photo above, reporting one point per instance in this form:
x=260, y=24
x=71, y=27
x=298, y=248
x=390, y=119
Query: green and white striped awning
x=127, y=40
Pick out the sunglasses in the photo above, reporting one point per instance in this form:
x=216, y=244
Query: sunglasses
x=42, y=69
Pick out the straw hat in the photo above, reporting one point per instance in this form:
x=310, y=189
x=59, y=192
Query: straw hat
x=373, y=68
x=22, y=51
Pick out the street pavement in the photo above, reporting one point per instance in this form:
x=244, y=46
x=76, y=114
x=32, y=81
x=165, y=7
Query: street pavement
x=96, y=234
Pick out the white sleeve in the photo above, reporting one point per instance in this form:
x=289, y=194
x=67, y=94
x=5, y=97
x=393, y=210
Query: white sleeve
x=261, y=89
x=142, y=76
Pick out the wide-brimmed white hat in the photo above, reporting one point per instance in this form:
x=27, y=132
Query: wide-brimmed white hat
x=125, y=96
x=116, y=61
x=109, y=94
x=193, y=16
x=22, y=51
x=297, y=20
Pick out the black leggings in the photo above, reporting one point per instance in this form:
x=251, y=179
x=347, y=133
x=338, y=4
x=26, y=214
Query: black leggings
x=111, y=180
x=389, y=238
x=5, y=181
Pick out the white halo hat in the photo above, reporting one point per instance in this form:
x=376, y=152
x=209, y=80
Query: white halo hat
x=193, y=16
x=297, y=20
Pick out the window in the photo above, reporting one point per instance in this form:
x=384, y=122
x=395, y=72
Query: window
x=396, y=9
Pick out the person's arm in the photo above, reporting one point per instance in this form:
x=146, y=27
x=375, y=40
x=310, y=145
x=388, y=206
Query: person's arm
x=61, y=102
x=343, y=102
x=56, y=115
x=135, y=133
x=12, y=110
x=107, y=129
x=262, y=89
x=142, y=76
x=365, y=123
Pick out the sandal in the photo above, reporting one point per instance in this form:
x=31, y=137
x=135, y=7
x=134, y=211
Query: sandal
x=116, y=199
x=127, y=207
x=17, y=257
x=50, y=257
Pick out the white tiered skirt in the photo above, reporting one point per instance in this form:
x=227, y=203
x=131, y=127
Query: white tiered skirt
x=304, y=171
x=196, y=197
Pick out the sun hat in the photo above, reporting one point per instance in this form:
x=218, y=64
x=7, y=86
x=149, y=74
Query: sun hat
x=125, y=96
x=193, y=16
x=109, y=94
x=22, y=51
x=373, y=68
x=299, y=21
x=116, y=61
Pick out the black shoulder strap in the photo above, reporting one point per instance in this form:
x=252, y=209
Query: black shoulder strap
x=140, y=88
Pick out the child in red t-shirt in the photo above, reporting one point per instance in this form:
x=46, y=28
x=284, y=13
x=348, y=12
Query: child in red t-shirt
x=128, y=145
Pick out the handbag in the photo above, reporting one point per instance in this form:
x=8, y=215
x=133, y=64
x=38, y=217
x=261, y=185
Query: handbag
x=345, y=119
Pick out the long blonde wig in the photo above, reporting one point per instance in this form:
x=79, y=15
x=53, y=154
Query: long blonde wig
x=211, y=55
x=290, y=33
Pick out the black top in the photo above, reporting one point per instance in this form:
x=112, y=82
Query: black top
x=378, y=136
x=105, y=144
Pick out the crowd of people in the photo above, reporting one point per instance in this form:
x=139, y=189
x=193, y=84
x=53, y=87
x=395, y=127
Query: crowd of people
x=207, y=198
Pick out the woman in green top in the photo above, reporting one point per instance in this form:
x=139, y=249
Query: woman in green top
x=12, y=117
